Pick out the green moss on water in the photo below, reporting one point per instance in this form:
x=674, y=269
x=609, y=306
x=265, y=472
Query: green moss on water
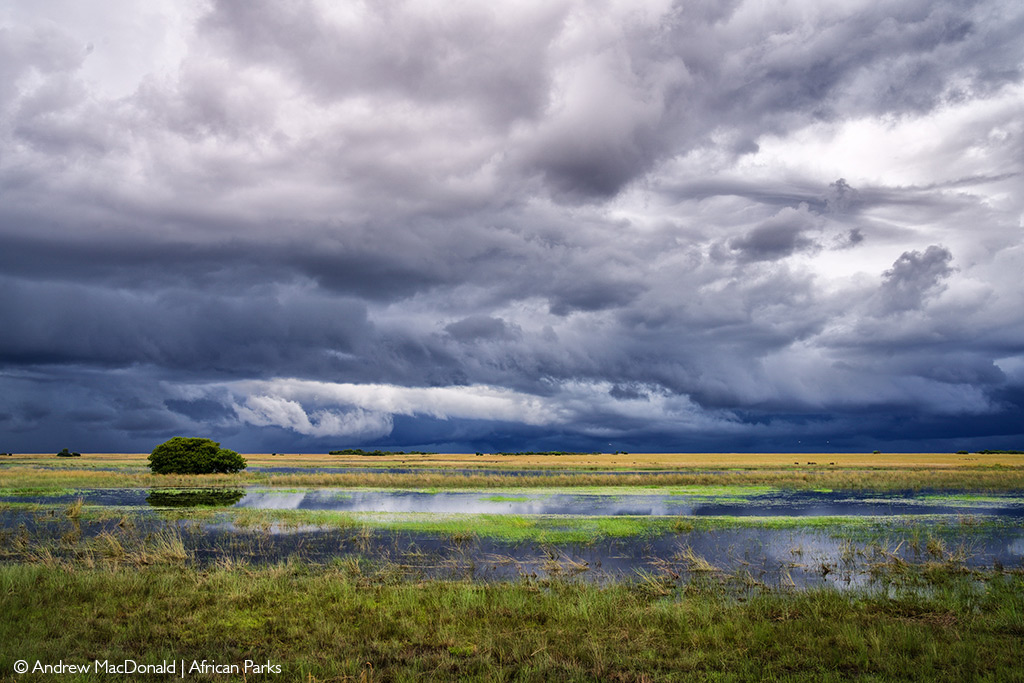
x=970, y=498
x=509, y=528
x=536, y=529
x=738, y=491
x=584, y=530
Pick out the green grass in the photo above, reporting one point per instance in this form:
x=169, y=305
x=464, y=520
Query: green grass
x=969, y=498
x=721, y=490
x=37, y=491
x=566, y=529
x=509, y=528
x=351, y=622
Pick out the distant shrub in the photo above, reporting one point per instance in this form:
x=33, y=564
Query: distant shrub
x=360, y=451
x=547, y=453
x=185, y=455
x=961, y=453
x=65, y=453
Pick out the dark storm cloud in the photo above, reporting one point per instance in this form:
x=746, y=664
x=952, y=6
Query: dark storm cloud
x=914, y=276
x=544, y=222
x=680, y=81
x=782, y=235
x=189, y=331
x=479, y=327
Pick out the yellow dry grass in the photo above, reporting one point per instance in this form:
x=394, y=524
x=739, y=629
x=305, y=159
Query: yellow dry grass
x=587, y=460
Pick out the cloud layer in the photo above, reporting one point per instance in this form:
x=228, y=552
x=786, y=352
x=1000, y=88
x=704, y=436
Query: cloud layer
x=664, y=226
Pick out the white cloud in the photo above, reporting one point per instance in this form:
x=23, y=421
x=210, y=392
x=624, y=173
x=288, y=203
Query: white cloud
x=367, y=411
x=274, y=411
x=326, y=409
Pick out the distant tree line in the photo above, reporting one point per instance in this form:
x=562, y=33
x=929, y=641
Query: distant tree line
x=360, y=451
x=552, y=453
x=65, y=453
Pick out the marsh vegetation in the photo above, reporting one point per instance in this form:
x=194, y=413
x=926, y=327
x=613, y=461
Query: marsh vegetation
x=353, y=621
x=737, y=573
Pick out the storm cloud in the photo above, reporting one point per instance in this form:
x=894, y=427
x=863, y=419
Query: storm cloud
x=455, y=226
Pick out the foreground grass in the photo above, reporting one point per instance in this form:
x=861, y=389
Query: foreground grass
x=347, y=623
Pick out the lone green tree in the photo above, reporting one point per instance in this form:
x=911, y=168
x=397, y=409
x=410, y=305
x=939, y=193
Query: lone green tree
x=185, y=455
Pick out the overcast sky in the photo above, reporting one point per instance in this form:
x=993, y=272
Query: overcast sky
x=710, y=225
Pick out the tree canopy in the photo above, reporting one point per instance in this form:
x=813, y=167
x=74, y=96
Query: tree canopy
x=190, y=455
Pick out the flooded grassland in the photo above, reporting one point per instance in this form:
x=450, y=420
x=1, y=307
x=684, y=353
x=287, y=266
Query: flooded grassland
x=392, y=570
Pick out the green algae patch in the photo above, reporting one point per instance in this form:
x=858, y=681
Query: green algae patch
x=530, y=528
x=593, y=529
x=509, y=528
x=738, y=491
x=970, y=498
x=584, y=530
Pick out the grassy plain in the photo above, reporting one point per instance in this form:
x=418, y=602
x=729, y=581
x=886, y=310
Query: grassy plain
x=583, y=460
x=350, y=622
x=795, y=471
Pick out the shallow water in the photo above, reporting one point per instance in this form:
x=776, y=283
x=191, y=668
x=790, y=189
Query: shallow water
x=776, y=503
x=800, y=557
x=611, y=502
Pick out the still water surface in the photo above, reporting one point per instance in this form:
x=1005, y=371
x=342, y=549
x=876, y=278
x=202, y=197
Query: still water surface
x=607, y=502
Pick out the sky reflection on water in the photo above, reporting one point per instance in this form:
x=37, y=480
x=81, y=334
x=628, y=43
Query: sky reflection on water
x=794, y=503
x=590, y=503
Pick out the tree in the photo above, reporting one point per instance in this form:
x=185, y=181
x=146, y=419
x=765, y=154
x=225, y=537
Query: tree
x=185, y=455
